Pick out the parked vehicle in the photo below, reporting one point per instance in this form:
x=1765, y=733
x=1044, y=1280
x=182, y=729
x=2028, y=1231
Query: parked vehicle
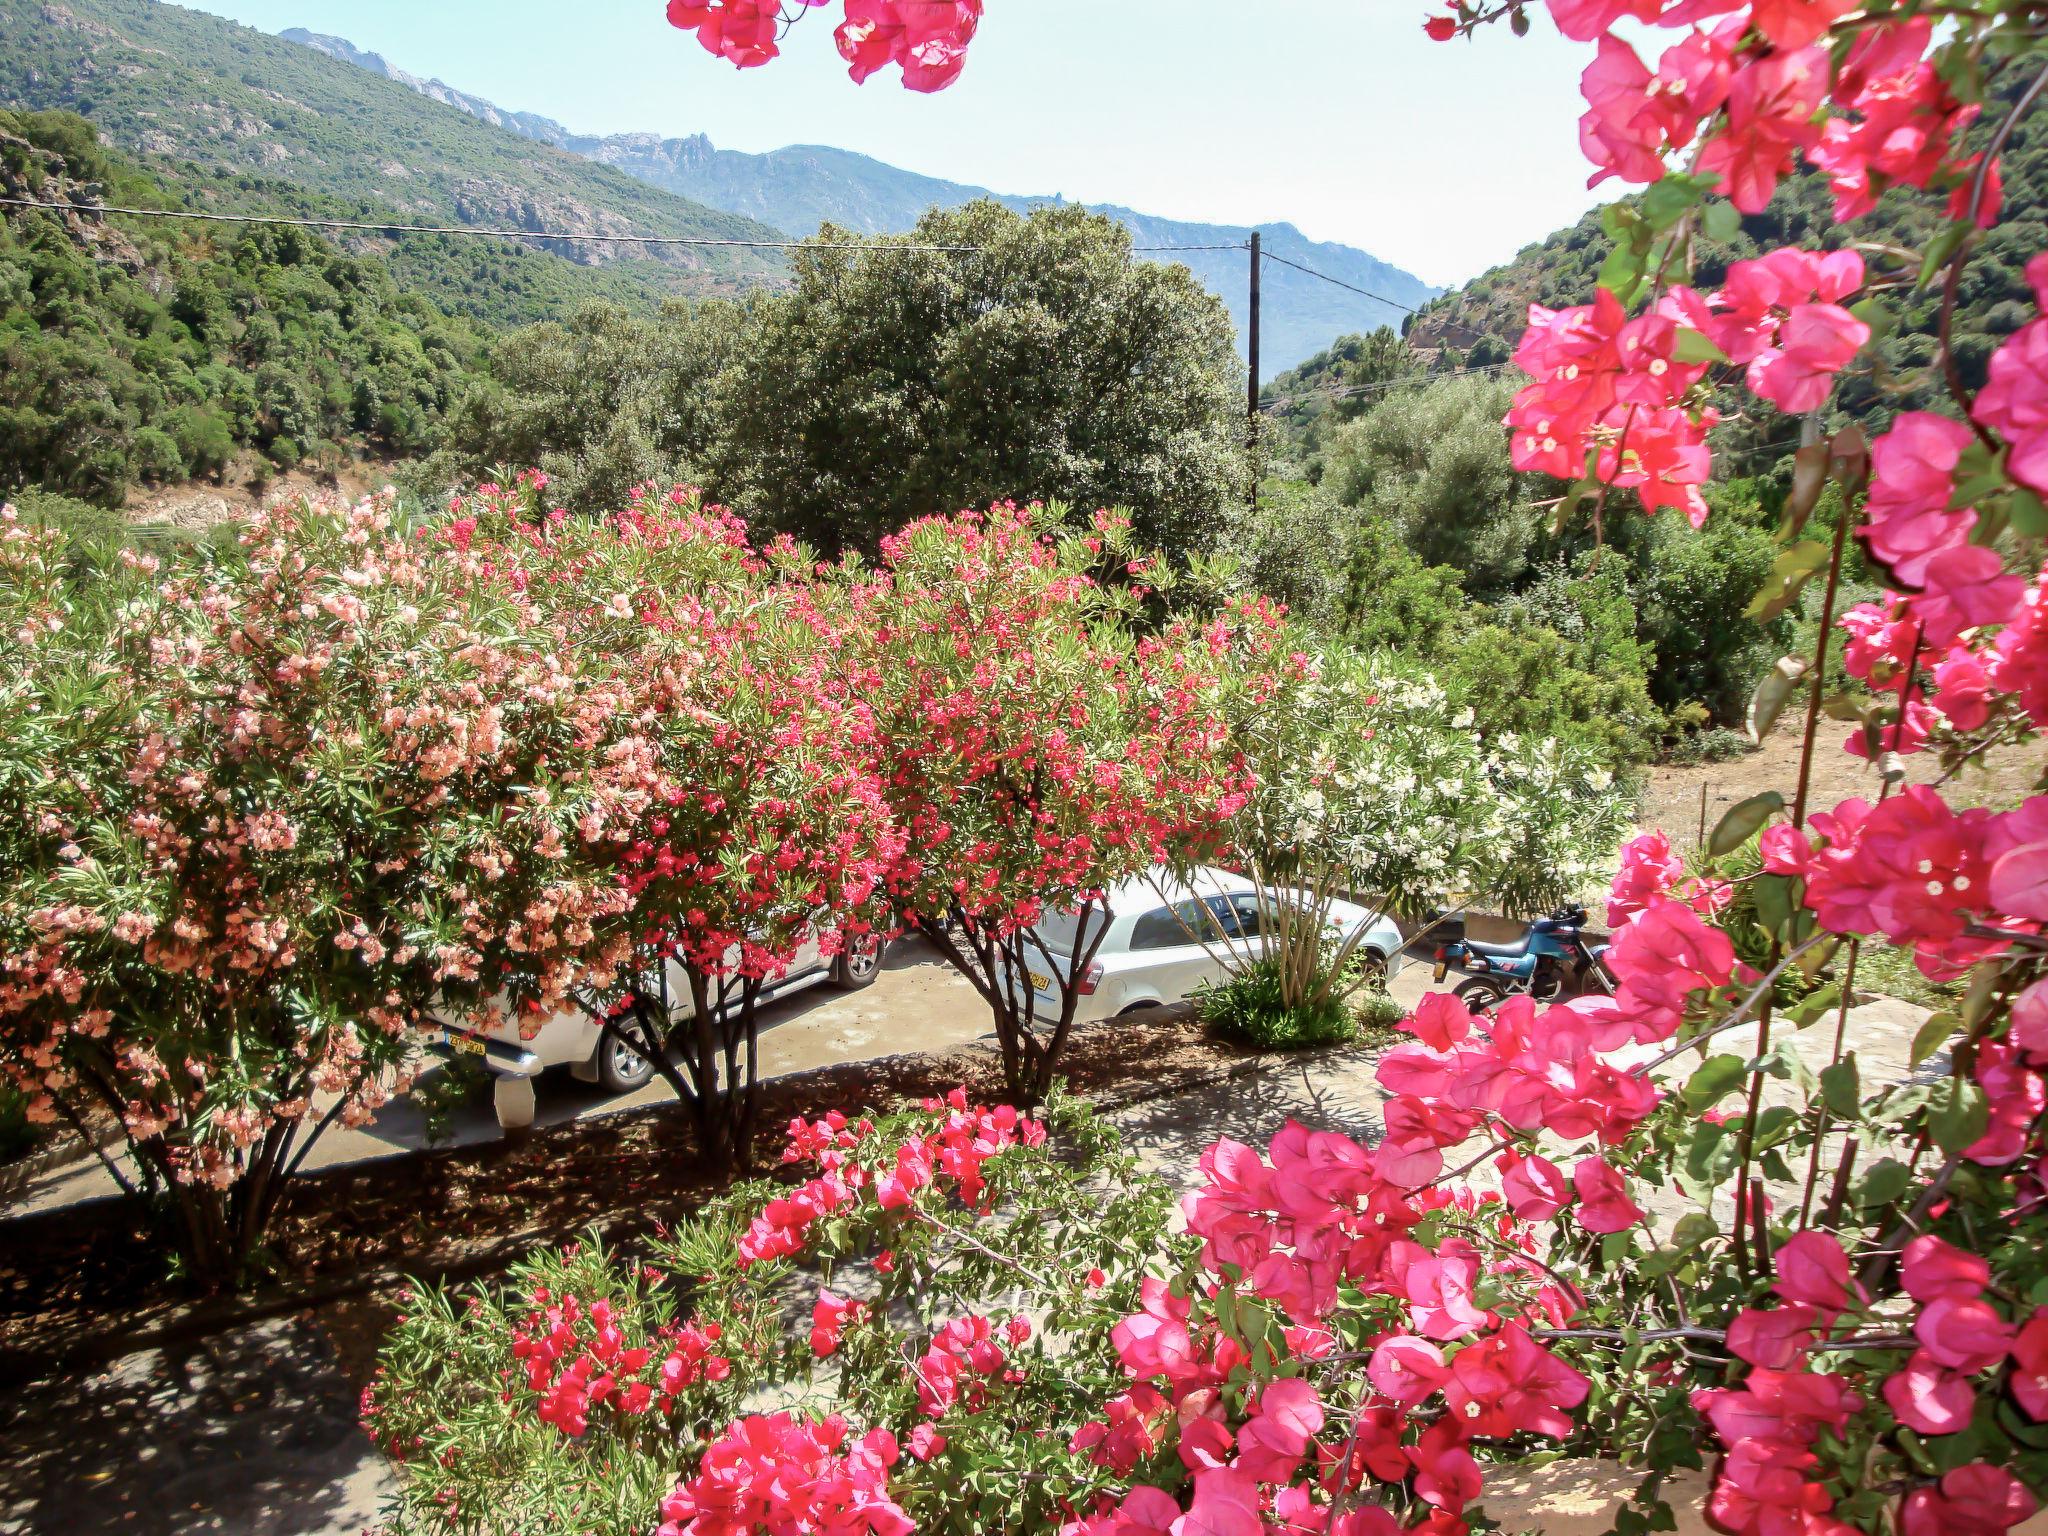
x=1552, y=954
x=575, y=1040
x=1166, y=939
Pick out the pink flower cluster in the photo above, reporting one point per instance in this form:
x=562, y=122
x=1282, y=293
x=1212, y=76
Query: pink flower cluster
x=1754, y=86
x=576, y=1359
x=1769, y=1480
x=1650, y=869
x=1920, y=873
x=1613, y=393
x=781, y=1475
x=964, y=1357
x=1288, y=1230
x=927, y=38
x=851, y=1166
x=2014, y=401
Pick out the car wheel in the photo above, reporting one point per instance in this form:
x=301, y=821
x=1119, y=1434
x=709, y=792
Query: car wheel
x=1479, y=994
x=620, y=1068
x=858, y=964
x=1374, y=970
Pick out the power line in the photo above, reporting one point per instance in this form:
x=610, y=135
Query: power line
x=518, y=234
x=1339, y=282
x=1346, y=391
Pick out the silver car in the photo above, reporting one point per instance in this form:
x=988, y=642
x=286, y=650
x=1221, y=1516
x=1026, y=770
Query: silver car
x=575, y=1040
x=1165, y=939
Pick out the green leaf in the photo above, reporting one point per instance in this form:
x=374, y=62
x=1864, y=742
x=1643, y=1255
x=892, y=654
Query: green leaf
x=2029, y=514
x=1876, y=314
x=1622, y=272
x=1775, y=904
x=1713, y=1081
x=1790, y=572
x=1841, y=1088
x=1932, y=1036
x=1671, y=199
x=1772, y=694
x=1957, y=1117
x=1721, y=221
x=1784, y=1062
x=1940, y=249
x=1744, y=821
x=1886, y=1181
x=1809, y=479
x=1693, y=347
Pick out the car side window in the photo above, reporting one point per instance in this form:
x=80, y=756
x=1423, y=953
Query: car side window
x=1237, y=917
x=1170, y=927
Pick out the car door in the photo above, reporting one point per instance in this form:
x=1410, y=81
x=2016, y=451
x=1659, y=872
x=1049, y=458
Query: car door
x=1166, y=957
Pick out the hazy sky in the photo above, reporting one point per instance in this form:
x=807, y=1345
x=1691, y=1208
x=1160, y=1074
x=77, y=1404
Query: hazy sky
x=1337, y=115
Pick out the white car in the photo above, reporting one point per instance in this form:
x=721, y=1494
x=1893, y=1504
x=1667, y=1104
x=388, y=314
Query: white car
x=575, y=1040
x=1151, y=953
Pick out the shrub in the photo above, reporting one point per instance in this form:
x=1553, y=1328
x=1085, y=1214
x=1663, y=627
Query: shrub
x=1253, y=1006
x=378, y=719
x=941, y=1280
x=1714, y=745
x=1038, y=748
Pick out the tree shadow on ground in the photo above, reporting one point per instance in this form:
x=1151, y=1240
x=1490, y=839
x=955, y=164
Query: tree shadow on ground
x=252, y=1433
x=1324, y=1090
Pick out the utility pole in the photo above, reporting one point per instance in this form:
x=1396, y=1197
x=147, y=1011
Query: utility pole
x=1252, y=348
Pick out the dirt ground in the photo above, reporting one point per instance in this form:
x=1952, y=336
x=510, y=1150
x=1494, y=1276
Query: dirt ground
x=1672, y=802
x=199, y=505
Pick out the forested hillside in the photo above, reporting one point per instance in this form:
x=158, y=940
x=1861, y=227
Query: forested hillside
x=137, y=352
x=254, y=114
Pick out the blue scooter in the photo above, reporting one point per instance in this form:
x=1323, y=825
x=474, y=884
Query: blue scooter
x=1550, y=956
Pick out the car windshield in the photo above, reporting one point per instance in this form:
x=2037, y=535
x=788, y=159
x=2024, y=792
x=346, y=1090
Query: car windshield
x=1060, y=932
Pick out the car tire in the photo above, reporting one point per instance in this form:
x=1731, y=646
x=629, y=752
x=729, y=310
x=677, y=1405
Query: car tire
x=859, y=964
x=620, y=1068
x=1374, y=965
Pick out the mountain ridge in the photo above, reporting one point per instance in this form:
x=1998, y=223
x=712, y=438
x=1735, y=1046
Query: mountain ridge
x=799, y=187
x=233, y=113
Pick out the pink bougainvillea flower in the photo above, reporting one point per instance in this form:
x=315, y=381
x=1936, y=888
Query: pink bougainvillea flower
x=1766, y=1487
x=1772, y=106
x=1930, y=1398
x=1966, y=587
x=1814, y=1271
x=1406, y=1369
x=1584, y=20
x=1604, y=1205
x=829, y=1318
x=1932, y=1269
x=1965, y=1334
x=2017, y=847
x=1534, y=1187
x=2030, y=1366
x=1774, y=1338
x=2014, y=400
x=1976, y=1500
x=1912, y=471
x=1285, y=1423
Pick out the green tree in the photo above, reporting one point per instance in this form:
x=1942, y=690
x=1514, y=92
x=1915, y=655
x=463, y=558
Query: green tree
x=1045, y=364
x=1434, y=461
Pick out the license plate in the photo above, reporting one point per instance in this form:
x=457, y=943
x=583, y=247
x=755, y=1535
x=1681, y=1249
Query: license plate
x=1039, y=983
x=1443, y=969
x=467, y=1043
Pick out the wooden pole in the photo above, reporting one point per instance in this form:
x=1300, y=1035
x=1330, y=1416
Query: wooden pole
x=1252, y=393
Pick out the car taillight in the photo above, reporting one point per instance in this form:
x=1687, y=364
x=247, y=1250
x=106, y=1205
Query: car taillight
x=1090, y=980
